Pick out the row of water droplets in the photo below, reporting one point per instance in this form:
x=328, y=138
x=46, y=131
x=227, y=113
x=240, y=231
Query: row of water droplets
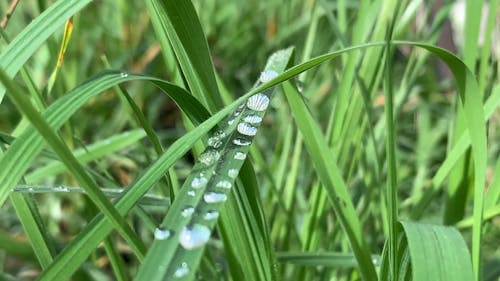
x=197, y=235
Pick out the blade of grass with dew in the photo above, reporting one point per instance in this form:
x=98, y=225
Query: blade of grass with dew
x=149, y=199
x=81, y=247
x=32, y=37
x=206, y=189
x=437, y=253
x=177, y=19
x=330, y=176
x=90, y=153
x=57, y=144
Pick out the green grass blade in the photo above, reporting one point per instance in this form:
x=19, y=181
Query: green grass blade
x=32, y=37
x=177, y=20
x=64, y=153
x=331, y=178
x=474, y=117
x=34, y=228
x=437, y=253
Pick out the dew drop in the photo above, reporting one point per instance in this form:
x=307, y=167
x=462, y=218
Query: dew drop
x=267, y=75
x=215, y=140
x=61, y=188
x=230, y=121
x=181, y=271
x=211, y=215
x=214, y=197
x=209, y=157
x=253, y=119
x=240, y=155
x=247, y=129
x=161, y=234
x=188, y=211
x=232, y=173
x=194, y=237
x=191, y=193
x=199, y=182
x=123, y=74
x=241, y=142
x=258, y=102
x=224, y=184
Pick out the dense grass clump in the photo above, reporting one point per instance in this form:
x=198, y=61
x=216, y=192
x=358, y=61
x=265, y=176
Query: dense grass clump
x=261, y=140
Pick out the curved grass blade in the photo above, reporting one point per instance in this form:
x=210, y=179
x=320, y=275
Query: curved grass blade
x=28, y=145
x=437, y=253
x=57, y=144
x=194, y=213
x=468, y=89
x=32, y=37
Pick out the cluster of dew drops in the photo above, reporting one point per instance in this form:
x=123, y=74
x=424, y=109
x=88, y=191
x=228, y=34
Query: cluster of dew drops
x=197, y=235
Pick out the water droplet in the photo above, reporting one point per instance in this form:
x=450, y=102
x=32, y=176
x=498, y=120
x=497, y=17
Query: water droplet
x=253, y=119
x=232, y=173
x=241, y=142
x=161, y=234
x=214, y=197
x=247, y=129
x=191, y=193
x=258, y=102
x=61, y=188
x=224, y=184
x=194, y=237
x=123, y=74
x=181, y=271
x=267, y=75
x=199, y=182
x=215, y=140
x=230, y=121
x=240, y=155
x=209, y=157
x=211, y=215
x=188, y=211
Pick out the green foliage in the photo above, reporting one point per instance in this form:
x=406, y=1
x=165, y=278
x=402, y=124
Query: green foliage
x=347, y=155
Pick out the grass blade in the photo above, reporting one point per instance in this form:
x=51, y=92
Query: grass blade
x=178, y=254
x=177, y=20
x=64, y=153
x=33, y=36
x=437, y=253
